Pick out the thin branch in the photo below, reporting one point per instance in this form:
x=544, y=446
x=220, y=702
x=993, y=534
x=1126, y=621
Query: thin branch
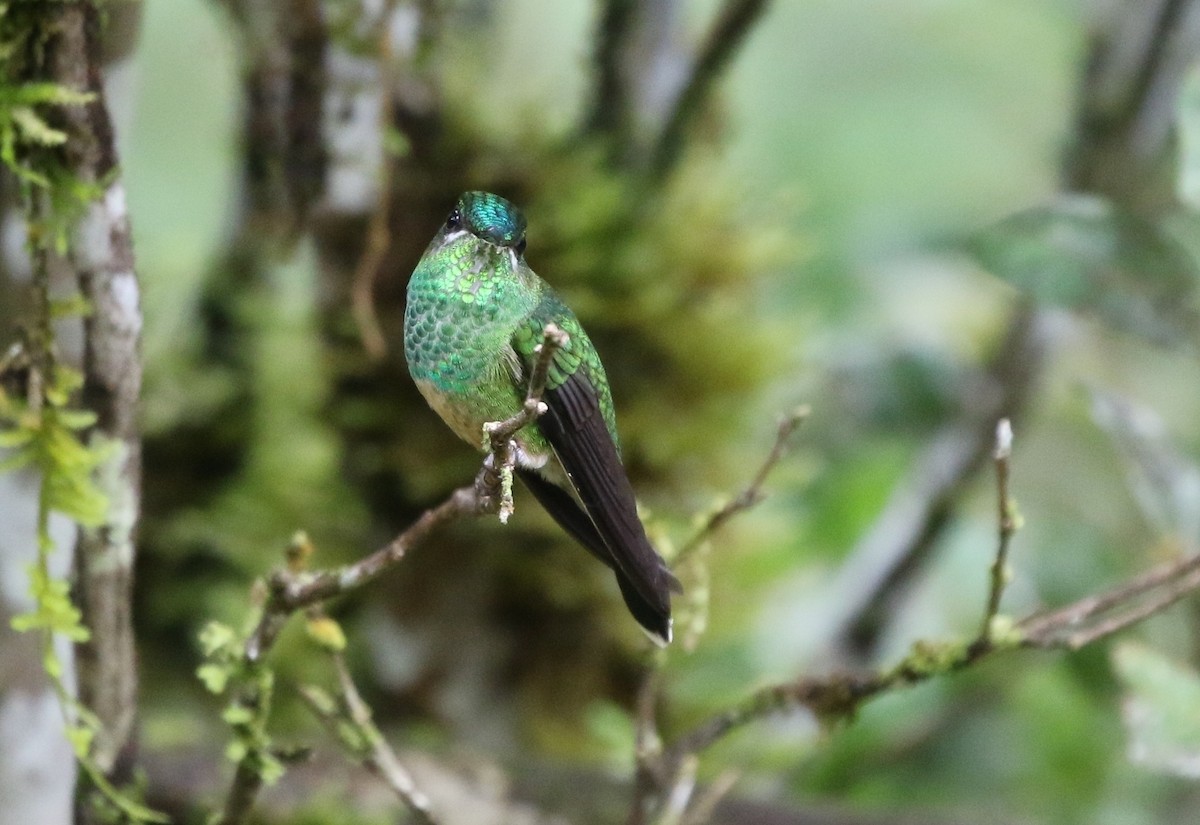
x=894, y=550
x=379, y=233
x=733, y=24
x=1079, y=611
x=651, y=775
x=243, y=790
x=753, y=493
x=647, y=747
x=290, y=591
x=668, y=776
x=839, y=697
x=1153, y=69
x=1103, y=614
x=702, y=810
x=1127, y=103
x=679, y=795
x=366, y=741
x=1006, y=526
x=500, y=432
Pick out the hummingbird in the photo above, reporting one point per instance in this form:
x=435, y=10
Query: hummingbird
x=475, y=318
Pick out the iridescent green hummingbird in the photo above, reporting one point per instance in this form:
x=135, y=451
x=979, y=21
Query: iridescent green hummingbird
x=476, y=312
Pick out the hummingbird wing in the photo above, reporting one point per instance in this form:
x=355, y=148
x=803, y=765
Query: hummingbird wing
x=579, y=429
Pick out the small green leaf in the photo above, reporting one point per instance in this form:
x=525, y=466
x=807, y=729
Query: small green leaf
x=215, y=677
x=612, y=728
x=74, y=305
x=236, y=750
x=76, y=419
x=80, y=738
x=327, y=633
x=24, y=622
x=395, y=143
x=34, y=129
x=270, y=769
x=52, y=664
x=18, y=437
x=49, y=93
x=216, y=636
x=237, y=714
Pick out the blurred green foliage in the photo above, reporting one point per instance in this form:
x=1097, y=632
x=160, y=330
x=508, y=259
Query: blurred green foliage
x=865, y=143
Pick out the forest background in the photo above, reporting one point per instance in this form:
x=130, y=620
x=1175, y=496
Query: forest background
x=911, y=219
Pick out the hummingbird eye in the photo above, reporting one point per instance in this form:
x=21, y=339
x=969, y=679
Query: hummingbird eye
x=521, y=246
x=455, y=220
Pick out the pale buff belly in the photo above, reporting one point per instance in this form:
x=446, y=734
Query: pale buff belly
x=467, y=423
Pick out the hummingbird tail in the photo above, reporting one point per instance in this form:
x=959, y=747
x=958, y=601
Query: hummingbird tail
x=561, y=505
x=655, y=625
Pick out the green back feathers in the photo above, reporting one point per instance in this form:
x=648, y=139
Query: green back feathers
x=579, y=355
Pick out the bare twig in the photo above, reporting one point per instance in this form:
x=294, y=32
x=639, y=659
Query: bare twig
x=647, y=747
x=367, y=743
x=702, y=810
x=733, y=24
x=499, y=432
x=243, y=790
x=291, y=591
x=362, y=288
x=664, y=778
x=896, y=547
x=1006, y=526
x=379, y=233
x=1102, y=614
x=753, y=493
x=1128, y=101
x=679, y=795
x=651, y=779
x=838, y=697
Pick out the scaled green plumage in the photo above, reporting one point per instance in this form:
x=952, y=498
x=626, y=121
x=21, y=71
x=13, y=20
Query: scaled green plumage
x=476, y=312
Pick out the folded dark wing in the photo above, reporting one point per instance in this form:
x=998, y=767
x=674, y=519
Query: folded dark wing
x=563, y=508
x=575, y=428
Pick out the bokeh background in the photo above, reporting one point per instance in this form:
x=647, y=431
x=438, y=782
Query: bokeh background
x=858, y=223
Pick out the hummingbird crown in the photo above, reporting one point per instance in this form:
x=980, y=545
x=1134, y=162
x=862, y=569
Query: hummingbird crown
x=491, y=218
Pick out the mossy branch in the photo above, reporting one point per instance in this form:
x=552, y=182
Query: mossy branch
x=837, y=698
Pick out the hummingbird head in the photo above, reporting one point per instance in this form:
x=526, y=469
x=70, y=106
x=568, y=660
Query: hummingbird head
x=490, y=218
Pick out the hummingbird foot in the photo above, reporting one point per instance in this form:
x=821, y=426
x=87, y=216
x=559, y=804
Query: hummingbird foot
x=494, y=482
